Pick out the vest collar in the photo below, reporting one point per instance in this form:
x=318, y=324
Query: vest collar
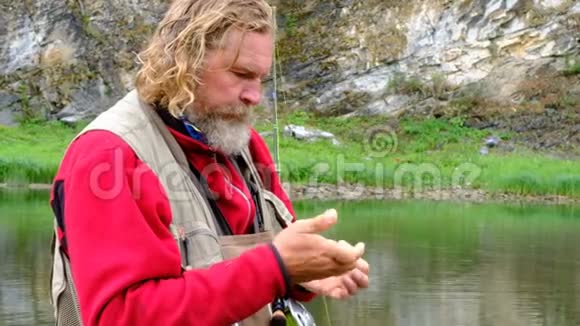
x=179, y=129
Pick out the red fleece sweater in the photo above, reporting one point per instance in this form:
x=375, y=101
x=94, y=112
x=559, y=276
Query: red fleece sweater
x=125, y=262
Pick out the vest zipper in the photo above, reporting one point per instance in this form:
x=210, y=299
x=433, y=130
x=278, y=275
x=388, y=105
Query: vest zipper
x=245, y=198
x=259, y=217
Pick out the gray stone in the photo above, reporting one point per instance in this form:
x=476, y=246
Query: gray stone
x=71, y=120
x=7, y=118
x=84, y=101
x=302, y=133
x=7, y=100
x=492, y=141
x=466, y=43
x=343, y=56
x=8, y=105
x=68, y=52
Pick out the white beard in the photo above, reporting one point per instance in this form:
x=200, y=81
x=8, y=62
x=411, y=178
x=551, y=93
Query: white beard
x=230, y=137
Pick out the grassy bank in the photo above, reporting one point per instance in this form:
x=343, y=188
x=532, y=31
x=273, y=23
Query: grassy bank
x=410, y=153
x=422, y=154
x=31, y=153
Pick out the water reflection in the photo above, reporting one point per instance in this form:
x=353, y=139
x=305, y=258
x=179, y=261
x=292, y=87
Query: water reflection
x=24, y=259
x=431, y=263
x=449, y=264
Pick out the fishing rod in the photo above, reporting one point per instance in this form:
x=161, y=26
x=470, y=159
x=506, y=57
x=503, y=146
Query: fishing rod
x=280, y=308
x=275, y=100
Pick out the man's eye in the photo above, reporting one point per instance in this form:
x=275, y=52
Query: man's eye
x=243, y=75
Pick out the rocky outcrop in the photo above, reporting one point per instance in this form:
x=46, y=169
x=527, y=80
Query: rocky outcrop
x=72, y=59
x=378, y=56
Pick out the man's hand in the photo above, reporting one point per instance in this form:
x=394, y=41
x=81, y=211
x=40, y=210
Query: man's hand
x=309, y=256
x=343, y=286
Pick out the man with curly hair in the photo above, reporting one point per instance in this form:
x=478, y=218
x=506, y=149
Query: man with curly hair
x=168, y=209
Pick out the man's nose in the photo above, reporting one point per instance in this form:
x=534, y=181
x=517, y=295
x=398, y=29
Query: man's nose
x=251, y=95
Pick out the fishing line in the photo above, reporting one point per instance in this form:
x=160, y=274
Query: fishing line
x=276, y=146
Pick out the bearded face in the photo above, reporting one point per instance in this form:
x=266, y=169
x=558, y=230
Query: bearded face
x=226, y=127
x=231, y=84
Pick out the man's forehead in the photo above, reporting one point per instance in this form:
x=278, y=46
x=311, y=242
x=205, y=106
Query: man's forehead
x=254, y=66
x=251, y=51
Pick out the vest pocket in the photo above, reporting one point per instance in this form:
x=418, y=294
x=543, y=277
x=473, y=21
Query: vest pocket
x=199, y=246
x=276, y=208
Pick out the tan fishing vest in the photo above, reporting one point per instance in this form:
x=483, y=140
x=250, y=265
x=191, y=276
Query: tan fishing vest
x=197, y=236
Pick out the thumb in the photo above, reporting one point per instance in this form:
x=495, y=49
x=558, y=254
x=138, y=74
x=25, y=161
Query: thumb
x=316, y=224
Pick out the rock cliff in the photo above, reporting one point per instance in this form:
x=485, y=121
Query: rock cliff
x=72, y=59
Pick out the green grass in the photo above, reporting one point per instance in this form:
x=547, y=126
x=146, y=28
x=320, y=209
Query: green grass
x=31, y=153
x=420, y=154
x=15, y=171
x=572, y=69
x=413, y=154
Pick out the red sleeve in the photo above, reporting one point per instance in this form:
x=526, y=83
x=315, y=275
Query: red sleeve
x=125, y=263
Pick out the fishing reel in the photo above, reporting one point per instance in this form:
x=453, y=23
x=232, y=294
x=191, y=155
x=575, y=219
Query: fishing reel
x=289, y=312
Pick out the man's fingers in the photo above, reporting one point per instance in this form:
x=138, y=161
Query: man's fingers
x=316, y=224
x=349, y=283
x=338, y=293
x=362, y=265
x=342, y=253
x=360, y=249
x=361, y=279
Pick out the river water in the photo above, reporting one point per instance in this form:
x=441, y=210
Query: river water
x=432, y=263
